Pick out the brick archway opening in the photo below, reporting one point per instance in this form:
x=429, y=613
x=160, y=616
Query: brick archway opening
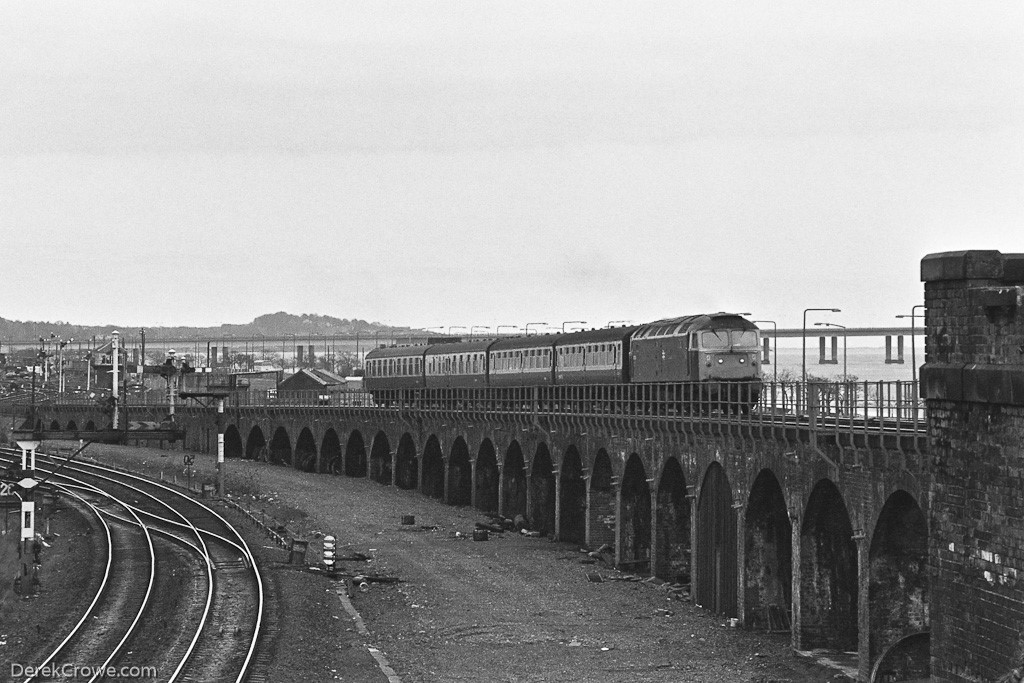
x=233, y=447
x=673, y=525
x=380, y=460
x=256, y=445
x=828, y=573
x=433, y=469
x=406, y=465
x=355, y=455
x=573, y=499
x=542, y=492
x=716, y=544
x=899, y=589
x=305, y=451
x=330, y=453
x=280, y=450
x=513, y=482
x=635, y=516
x=460, y=474
x=768, y=552
x=488, y=478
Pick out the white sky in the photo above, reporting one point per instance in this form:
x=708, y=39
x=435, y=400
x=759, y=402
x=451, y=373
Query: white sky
x=481, y=164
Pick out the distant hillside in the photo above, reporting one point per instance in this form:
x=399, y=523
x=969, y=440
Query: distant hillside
x=271, y=325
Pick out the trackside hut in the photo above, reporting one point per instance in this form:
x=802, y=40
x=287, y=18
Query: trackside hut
x=305, y=381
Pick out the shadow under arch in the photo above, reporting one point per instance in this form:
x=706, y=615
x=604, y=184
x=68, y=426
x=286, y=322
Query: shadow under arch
x=432, y=485
x=898, y=587
x=572, y=513
x=513, y=482
x=673, y=525
x=256, y=445
x=828, y=572
x=716, y=544
x=542, y=492
x=460, y=474
x=768, y=556
x=488, y=477
x=380, y=459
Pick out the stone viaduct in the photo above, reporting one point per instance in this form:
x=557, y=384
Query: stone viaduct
x=858, y=527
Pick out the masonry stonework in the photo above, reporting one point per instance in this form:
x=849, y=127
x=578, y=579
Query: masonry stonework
x=973, y=381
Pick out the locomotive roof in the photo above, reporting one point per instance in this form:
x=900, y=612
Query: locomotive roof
x=689, y=323
x=459, y=347
x=397, y=351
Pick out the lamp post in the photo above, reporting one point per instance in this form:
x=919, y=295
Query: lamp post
x=913, y=354
x=528, y=327
x=456, y=327
x=619, y=322
x=572, y=322
x=60, y=367
x=803, y=340
x=498, y=332
x=473, y=329
x=843, y=328
x=775, y=348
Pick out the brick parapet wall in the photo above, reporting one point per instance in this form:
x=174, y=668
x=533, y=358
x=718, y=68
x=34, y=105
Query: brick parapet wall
x=973, y=380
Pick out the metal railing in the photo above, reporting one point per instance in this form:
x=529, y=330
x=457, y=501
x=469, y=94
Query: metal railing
x=871, y=406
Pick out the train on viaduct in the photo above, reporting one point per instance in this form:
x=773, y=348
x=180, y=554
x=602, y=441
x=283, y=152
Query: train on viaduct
x=874, y=531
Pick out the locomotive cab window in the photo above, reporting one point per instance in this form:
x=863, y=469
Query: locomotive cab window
x=744, y=339
x=714, y=340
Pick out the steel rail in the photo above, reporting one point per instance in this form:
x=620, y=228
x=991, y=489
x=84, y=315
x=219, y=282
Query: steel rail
x=202, y=550
x=99, y=592
x=242, y=545
x=99, y=670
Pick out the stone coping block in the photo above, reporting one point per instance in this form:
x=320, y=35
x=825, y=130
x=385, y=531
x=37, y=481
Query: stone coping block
x=973, y=265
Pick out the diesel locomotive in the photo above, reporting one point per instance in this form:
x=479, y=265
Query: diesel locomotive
x=695, y=359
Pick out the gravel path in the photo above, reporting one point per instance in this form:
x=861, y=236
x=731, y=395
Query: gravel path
x=511, y=608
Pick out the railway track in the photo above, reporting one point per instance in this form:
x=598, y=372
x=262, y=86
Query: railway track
x=208, y=592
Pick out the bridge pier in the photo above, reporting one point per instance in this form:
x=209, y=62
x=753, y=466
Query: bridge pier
x=973, y=382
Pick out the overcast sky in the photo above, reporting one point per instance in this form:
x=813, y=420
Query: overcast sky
x=481, y=164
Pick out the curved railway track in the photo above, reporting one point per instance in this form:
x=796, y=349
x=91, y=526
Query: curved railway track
x=119, y=604
x=209, y=588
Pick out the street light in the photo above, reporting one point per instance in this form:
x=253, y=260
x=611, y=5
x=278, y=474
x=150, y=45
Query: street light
x=913, y=355
x=501, y=326
x=803, y=340
x=473, y=329
x=573, y=322
x=619, y=322
x=455, y=327
x=843, y=328
x=528, y=327
x=775, y=349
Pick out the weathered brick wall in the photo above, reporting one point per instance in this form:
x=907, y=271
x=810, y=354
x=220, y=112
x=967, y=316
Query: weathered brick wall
x=973, y=381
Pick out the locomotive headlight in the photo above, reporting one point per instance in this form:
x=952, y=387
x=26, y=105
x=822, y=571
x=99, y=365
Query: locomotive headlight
x=721, y=360
x=743, y=360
